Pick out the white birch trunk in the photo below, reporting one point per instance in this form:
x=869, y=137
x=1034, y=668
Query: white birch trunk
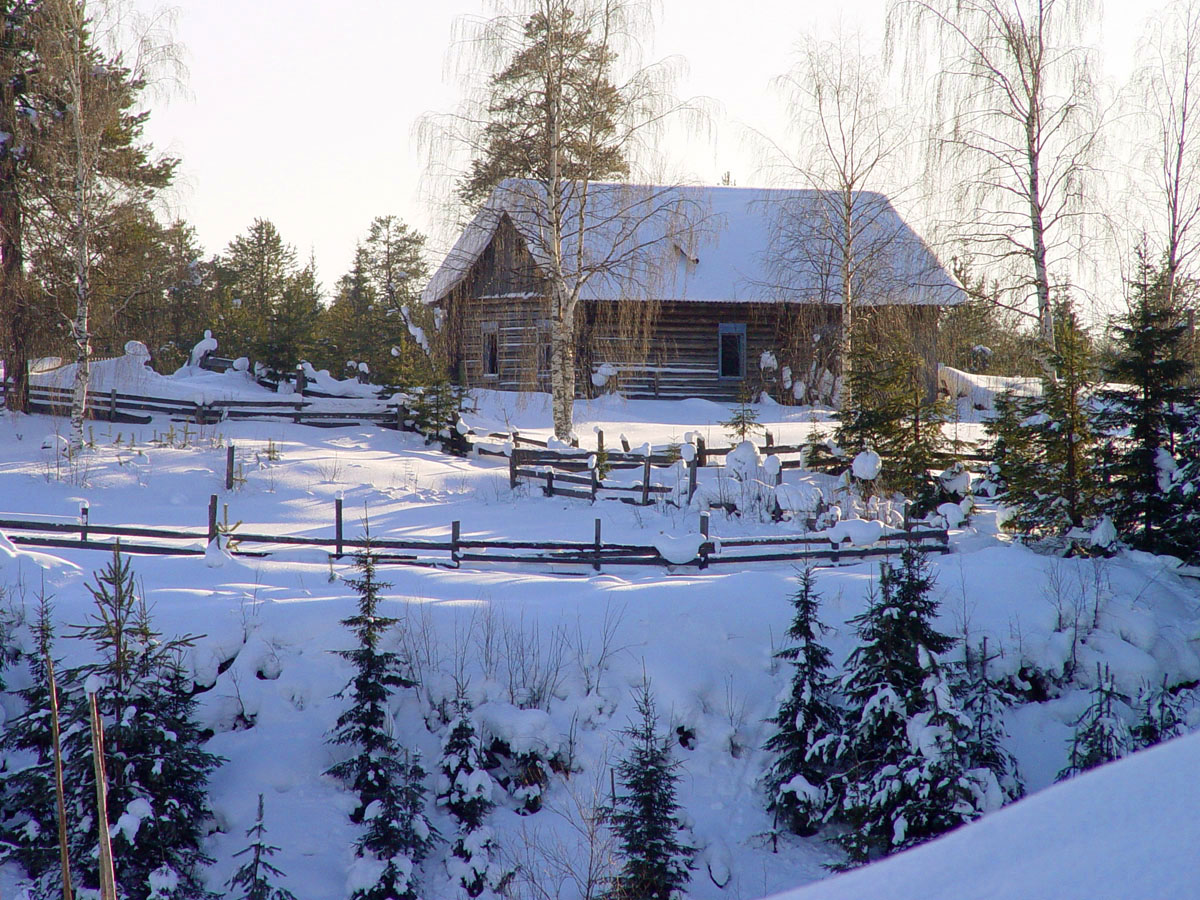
x=80, y=226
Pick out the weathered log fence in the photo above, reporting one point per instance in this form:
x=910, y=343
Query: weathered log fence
x=818, y=549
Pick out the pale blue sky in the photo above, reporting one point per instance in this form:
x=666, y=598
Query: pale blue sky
x=302, y=112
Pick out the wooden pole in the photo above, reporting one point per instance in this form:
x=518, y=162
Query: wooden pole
x=84, y=512
x=624, y=443
x=64, y=852
x=337, y=525
x=212, y=518
x=549, y=482
x=455, y=535
x=693, y=469
x=229, y=468
x=512, y=469
x=112, y=404
x=646, y=482
x=599, y=440
x=108, y=880
x=599, y=547
x=704, y=542
x=595, y=484
x=701, y=455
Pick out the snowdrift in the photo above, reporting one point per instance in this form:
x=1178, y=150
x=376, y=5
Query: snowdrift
x=1126, y=830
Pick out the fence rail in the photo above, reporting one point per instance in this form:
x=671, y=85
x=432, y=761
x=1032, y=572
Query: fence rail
x=453, y=552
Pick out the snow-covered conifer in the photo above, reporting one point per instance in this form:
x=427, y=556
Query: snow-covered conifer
x=388, y=778
x=29, y=828
x=157, y=768
x=655, y=859
x=808, y=722
x=1101, y=734
x=1164, y=716
x=465, y=789
x=984, y=701
x=252, y=880
x=902, y=772
x=1145, y=407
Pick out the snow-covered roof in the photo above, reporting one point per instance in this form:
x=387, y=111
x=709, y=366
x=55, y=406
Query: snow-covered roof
x=722, y=244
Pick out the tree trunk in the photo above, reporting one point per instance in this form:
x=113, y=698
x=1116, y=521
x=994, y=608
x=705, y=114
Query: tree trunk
x=562, y=361
x=15, y=322
x=1041, y=279
x=81, y=226
x=847, y=337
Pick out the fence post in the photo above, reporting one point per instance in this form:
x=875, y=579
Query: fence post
x=549, y=482
x=229, y=468
x=455, y=534
x=599, y=440
x=701, y=453
x=337, y=526
x=646, y=482
x=512, y=469
x=595, y=484
x=625, y=443
x=599, y=547
x=112, y=404
x=704, y=542
x=212, y=518
x=399, y=417
x=692, y=471
x=84, y=511
x=770, y=439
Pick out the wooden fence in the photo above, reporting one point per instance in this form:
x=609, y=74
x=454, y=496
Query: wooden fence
x=455, y=549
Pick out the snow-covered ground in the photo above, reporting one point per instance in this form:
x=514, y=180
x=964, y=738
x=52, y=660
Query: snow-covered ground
x=705, y=639
x=1127, y=830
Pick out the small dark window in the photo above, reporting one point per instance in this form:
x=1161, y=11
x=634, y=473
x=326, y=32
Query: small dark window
x=731, y=350
x=491, y=352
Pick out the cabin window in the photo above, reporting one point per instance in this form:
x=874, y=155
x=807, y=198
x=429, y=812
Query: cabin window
x=491, y=350
x=731, y=350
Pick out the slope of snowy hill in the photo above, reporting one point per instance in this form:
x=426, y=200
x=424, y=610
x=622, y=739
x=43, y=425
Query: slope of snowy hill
x=549, y=656
x=1126, y=830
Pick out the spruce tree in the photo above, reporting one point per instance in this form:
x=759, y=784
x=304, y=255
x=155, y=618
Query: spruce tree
x=252, y=880
x=808, y=722
x=1052, y=476
x=1146, y=412
x=1163, y=717
x=1181, y=526
x=465, y=789
x=890, y=412
x=1101, y=735
x=902, y=772
x=157, y=768
x=387, y=777
x=984, y=701
x=655, y=861
x=30, y=828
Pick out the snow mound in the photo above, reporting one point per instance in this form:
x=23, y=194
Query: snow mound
x=867, y=465
x=859, y=532
x=1125, y=830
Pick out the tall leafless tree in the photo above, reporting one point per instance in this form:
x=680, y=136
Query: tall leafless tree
x=847, y=145
x=554, y=121
x=1167, y=88
x=1017, y=126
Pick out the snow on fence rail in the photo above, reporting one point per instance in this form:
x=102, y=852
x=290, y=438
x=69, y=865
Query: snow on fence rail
x=699, y=550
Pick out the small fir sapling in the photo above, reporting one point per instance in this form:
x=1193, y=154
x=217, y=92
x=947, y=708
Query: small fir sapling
x=743, y=423
x=808, y=721
x=984, y=701
x=655, y=860
x=29, y=830
x=388, y=778
x=251, y=881
x=1163, y=717
x=157, y=768
x=1101, y=735
x=465, y=789
x=901, y=772
x=1145, y=407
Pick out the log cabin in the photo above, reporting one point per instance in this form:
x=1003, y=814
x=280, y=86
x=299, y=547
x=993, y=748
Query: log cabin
x=710, y=292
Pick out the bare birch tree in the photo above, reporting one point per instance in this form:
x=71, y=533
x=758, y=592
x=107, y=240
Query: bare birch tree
x=840, y=234
x=553, y=122
x=1017, y=127
x=94, y=164
x=1167, y=88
